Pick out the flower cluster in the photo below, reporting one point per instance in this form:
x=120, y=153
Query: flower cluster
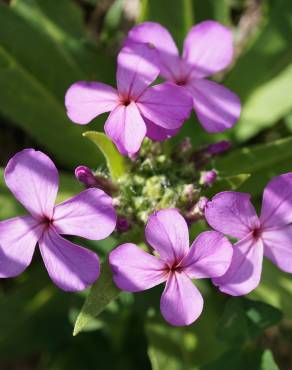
x=163, y=191
x=158, y=112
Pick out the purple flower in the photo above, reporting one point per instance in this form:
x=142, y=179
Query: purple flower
x=137, y=110
x=270, y=234
x=33, y=179
x=208, y=49
x=167, y=232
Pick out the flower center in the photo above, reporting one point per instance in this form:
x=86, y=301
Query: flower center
x=182, y=81
x=257, y=233
x=47, y=222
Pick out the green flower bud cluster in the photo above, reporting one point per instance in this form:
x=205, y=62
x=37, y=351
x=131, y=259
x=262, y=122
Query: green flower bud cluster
x=157, y=178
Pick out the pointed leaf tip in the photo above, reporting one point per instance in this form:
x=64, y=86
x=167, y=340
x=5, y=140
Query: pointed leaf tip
x=115, y=161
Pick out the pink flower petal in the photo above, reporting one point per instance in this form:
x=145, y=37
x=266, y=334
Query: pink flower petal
x=181, y=302
x=244, y=273
x=278, y=247
x=277, y=202
x=71, y=267
x=155, y=34
x=210, y=256
x=126, y=128
x=86, y=100
x=135, y=270
x=167, y=232
x=158, y=133
x=217, y=108
x=208, y=47
x=89, y=214
x=33, y=179
x=18, y=238
x=136, y=70
x=166, y=105
x=232, y=213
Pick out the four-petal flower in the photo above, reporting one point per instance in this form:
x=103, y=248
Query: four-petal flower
x=208, y=49
x=271, y=234
x=137, y=110
x=33, y=179
x=167, y=232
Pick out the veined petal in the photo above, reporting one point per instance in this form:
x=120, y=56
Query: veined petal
x=278, y=247
x=135, y=270
x=126, y=128
x=244, y=273
x=136, y=69
x=18, y=238
x=181, y=302
x=208, y=47
x=277, y=202
x=232, y=213
x=158, y=133
x=209, y=256
x=217, y=108
x=33, y=179
x=166, y=105
x=167, y=232
x=154, y=34
x=89, y=214
x=71, y=267
x=86, y=100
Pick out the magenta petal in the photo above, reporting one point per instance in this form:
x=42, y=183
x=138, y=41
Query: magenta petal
x=208, y=47
x=167, y=232
x=158, y=133
x=244, y=273
x=209, y=256
x=232, y=213
x=71, y=267
x=277, y=202
x=89, y=214
x=86, y=100
x=158, y=36
x=126, y=128
x=181, y=302
x=18, y=238
x=135, y=270
x=136, y=69
x=33, y=179
x=166, y=105
x=217, y=108
x=278, y=247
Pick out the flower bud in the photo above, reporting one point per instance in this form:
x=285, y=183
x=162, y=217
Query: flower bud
x=123, y=224
x=220, y=147
x=84, y=175
x=208, y=177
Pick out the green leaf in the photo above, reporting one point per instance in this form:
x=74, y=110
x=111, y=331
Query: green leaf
x=218, y=10
x=261, y=161
x=263, y=74
x=275, y=288
x=62, y=22
x=100, y=295
x=268, y=362
x=34, y=76
x=184, y=348
x=115, y=161
x=243, y=320
x=227, y=183
x=177, y=17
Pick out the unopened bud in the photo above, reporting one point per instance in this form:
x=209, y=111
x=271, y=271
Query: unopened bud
x=123, y=224
x=208, y=177
x=220, y=147
x=84, y=175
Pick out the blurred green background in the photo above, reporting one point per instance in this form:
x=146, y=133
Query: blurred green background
x=46, y=45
